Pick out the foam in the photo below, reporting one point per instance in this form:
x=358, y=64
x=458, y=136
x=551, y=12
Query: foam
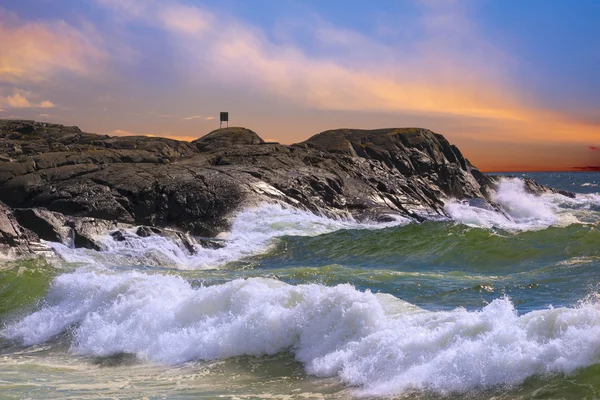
x=378, y=343
x=520, y=210
x=253, y=232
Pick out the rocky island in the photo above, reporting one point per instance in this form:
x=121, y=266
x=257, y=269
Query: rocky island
x=58, y=183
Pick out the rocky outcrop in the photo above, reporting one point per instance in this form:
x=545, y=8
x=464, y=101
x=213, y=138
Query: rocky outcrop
x=13, y=237
x=221, y=138
x=62, y=183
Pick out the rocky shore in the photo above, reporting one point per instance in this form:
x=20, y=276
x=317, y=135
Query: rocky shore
x=60, y=184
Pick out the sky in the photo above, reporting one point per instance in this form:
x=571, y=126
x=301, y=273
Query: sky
x=514, y=84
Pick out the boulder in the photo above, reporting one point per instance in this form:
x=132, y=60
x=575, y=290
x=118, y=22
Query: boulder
x=47, y=225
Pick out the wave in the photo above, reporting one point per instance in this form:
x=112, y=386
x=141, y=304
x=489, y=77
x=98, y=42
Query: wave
x=520, y=210
x=376, y=342
x=252, y=232
x=438, y=244
x=23, y=283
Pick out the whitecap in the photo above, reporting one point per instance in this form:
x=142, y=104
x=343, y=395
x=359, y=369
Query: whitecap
x=252, y=232
x=376, y=342
x=520, y=210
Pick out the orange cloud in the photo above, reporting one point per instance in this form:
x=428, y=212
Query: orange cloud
x=169, y=135
x=429, y=81
x=35, y=50
x=433, y=77
x=47, y=104
x=21, y=99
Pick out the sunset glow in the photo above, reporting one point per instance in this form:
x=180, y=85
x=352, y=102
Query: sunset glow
x=469, y=70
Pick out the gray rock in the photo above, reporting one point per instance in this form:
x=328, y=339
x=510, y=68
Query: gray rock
x=47, y=225
x=188, y=190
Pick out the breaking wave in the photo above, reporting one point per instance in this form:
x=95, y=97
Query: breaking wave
x=375, y=342
x=520, y=210
x=252, y=233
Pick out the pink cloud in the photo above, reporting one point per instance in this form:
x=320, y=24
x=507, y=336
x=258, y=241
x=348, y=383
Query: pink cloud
x=23, y=99
x=35, y=50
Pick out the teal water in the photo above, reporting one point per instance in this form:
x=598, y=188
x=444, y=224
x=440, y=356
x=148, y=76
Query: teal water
x=483, y=305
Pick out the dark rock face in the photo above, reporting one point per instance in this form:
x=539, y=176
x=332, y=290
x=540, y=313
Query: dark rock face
x=225, y=137
x=13, y=235
x=65, y=184
x=47, y=225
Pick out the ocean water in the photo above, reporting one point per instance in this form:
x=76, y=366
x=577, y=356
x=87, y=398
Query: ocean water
x=483, y=305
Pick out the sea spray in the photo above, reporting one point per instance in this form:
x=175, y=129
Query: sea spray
x=252, y=232
x=520, y=210
x=376, y=342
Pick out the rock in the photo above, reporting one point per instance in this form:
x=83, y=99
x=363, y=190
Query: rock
x=49, y=226
x=15, y=240
x=87, y=232
x=12, y=234
x=222, y=138
x=145, y=231
x=118, y=236
x=187, y=191
x=208, y=243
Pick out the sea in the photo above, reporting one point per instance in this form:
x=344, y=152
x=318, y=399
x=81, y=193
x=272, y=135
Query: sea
x=485, y=304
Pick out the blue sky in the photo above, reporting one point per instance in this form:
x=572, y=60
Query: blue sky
x=515, y=84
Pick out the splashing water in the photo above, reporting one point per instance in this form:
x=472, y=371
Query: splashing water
x=520, y=210
x=252, y=232
x=435, y=309
x=375, y=341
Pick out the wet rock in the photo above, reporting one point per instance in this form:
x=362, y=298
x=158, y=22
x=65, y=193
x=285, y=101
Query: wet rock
x=88, y=232
x=11, y=233
x=47, y=225
x=208, y=243
x=118, y=236
x=145, y=231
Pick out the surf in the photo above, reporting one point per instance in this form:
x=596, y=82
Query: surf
x=377, y=343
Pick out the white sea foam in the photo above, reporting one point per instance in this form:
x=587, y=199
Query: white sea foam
x=520, y=210
x=252, y=232
x=376, y=342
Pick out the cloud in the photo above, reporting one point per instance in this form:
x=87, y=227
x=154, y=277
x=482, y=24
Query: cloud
x=588, y=168
x=47, y=104
x=193, y=117
x=427, y=79
x=17, y=100
x=594, y=148
x=121, y=132
x=185, y=19
x=33, y=51
x=168, y=135
x=22, y=99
